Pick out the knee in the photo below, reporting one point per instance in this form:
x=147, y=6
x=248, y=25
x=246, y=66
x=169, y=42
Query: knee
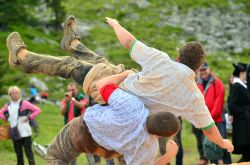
x=51, y=160
x=49, y=155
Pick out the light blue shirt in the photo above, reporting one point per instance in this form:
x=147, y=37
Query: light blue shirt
x=33, y=91
x=121, y=126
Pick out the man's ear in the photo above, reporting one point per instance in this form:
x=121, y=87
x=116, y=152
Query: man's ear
x=177, y=59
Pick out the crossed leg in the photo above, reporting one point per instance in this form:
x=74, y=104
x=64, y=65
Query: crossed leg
x=75, y=67
x=71, y=42
x=66, y=67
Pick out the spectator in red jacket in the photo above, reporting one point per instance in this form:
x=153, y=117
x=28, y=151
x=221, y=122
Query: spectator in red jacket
x=214, y=92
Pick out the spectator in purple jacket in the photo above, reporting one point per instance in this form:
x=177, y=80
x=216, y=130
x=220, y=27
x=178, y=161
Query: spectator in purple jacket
x=18, y=113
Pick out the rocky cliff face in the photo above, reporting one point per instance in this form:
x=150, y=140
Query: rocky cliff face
x=227, y=30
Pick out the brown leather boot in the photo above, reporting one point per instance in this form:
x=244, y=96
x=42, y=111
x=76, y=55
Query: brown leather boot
x=14, y=44
x=70, y=33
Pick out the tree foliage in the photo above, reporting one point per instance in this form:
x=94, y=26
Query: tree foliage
x=15, y=11
x=58, y=10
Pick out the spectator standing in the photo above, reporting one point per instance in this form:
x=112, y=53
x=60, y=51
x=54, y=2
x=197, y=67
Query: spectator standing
x=73, y=105
x=199, y=137
x=214, y=93
x=18, y=113
x=239, y=106
x=229, y=118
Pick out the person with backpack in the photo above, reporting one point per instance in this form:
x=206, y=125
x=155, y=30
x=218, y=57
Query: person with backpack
x=214, y=92
x=18, y=113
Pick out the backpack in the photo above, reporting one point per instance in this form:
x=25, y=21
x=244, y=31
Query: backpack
x=13, y=131
x=211, y=150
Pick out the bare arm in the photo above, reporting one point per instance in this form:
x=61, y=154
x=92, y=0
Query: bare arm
x=64, y=107
x=114, y=79
x=79, y=104
x=125, y=38
x=213, y=135
x=63, y=110
x=33, y=108
x=2, y=111
x=171, y=151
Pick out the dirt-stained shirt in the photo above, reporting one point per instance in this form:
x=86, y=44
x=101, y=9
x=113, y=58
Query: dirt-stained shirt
x=165, y=85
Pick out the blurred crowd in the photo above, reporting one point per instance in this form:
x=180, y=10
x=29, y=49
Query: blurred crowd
x=231, y=116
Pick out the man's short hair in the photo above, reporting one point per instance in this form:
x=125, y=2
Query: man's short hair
x=72, y=84
x=163, y=124
x=192, y=55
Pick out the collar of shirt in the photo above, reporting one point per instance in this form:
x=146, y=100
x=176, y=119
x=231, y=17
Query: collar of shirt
x=15, y=102
x=238, y=80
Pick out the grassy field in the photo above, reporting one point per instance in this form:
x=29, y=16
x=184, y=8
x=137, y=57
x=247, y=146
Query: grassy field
x=50, y=122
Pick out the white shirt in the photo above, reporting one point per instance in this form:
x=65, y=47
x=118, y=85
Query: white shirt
x=120, y=126
x=165, y=85
x=23, y=127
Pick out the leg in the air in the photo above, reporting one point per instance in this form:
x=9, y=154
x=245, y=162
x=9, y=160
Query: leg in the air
x=71, y=42
x=29, y=62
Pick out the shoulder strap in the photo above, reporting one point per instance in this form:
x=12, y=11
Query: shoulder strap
x=20, y=105
x=18, y=113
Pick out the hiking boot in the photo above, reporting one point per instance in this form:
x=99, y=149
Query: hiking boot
x=14, y=44
x=70, y=33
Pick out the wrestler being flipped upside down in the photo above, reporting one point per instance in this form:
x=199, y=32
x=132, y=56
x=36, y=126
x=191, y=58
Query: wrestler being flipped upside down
x=162, y=85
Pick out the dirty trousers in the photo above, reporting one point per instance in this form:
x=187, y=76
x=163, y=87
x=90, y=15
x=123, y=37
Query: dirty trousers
x=72, y=140
x=84, y=67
